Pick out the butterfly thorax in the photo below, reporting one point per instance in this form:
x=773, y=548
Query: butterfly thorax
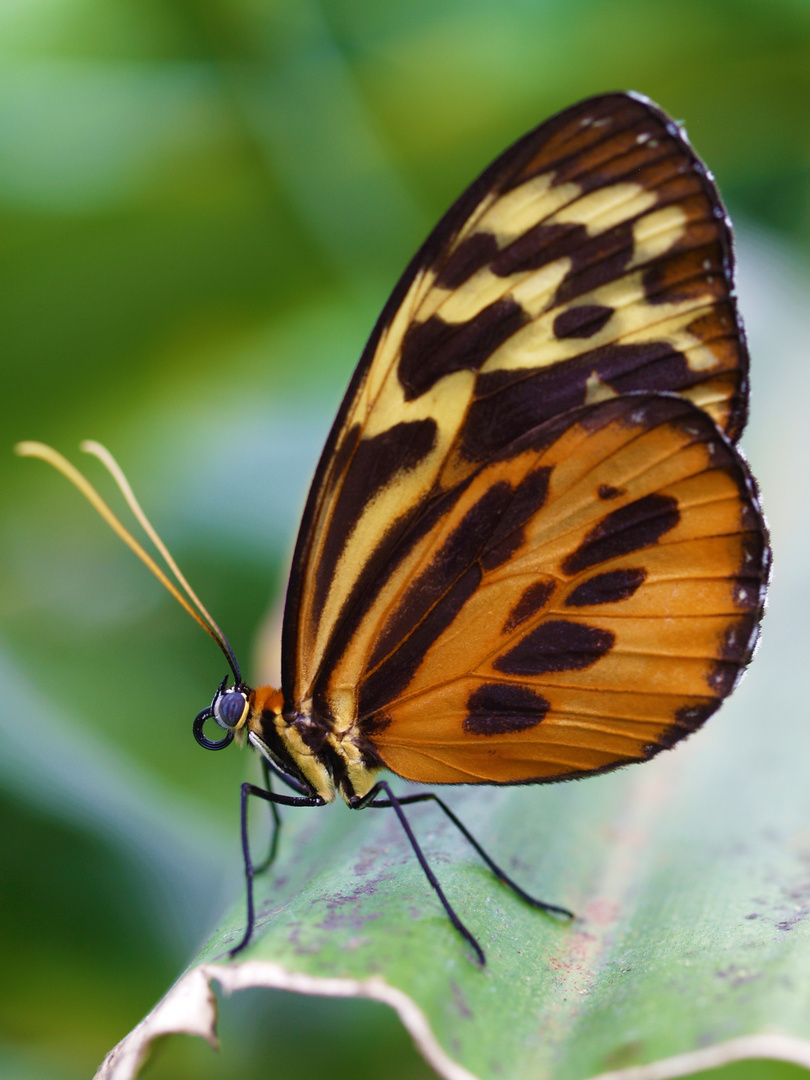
x=308, y=747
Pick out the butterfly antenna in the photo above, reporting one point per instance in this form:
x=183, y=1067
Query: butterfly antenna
x=89, y=446
x=62, y=465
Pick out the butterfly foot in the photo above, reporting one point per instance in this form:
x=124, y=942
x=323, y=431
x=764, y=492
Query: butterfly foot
x=553, y=909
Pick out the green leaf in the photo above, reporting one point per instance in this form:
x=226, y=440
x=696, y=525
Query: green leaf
x=690, y=878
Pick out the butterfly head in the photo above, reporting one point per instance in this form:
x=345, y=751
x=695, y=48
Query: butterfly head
x=229, y=709
x=293, y=745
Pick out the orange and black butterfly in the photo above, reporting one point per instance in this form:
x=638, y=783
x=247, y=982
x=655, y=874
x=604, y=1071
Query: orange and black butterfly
x=531, y=550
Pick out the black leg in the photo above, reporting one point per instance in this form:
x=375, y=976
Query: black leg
x=275, y=825
x=271, y=767
x=496, y=870
x=271, y=797
x=394, y=803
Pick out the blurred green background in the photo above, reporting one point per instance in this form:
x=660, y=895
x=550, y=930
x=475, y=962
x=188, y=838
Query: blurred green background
x=203, y=206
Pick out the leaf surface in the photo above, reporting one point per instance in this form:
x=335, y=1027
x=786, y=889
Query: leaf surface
x=690, y=878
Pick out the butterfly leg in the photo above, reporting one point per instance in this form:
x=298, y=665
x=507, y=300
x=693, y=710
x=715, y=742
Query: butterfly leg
x=269, y=769
x=275, y=825
x=496, y=870
x=250, y=870
x=394, y=803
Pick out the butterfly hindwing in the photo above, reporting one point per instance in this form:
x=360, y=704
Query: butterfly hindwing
x=602, y=614
x=591, y=261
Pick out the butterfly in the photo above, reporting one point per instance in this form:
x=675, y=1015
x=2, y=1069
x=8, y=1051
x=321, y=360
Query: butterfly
x=531, y=550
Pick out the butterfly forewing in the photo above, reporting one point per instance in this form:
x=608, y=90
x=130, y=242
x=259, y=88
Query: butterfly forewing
x=591, y=261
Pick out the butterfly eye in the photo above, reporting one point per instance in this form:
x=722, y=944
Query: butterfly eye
x=230, y=709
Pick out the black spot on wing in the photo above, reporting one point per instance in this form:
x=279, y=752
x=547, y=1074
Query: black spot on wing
x=506, y=534
x=433, y=349
x=687, y=719
x=595, y=260
x=558, y=645
x=507, y=403
x=582, y=321
x=651, y=366
x=393, y=675
x=533, y=599
x=630, y=528
x=370, y=466
x=471, y=255
x=607, y=588
x=498, y=708
x=537, y=247
x=607, y=491
x=652, y=410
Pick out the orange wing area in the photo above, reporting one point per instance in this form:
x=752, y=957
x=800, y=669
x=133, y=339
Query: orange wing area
x=592, y=259
x=585, y=600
